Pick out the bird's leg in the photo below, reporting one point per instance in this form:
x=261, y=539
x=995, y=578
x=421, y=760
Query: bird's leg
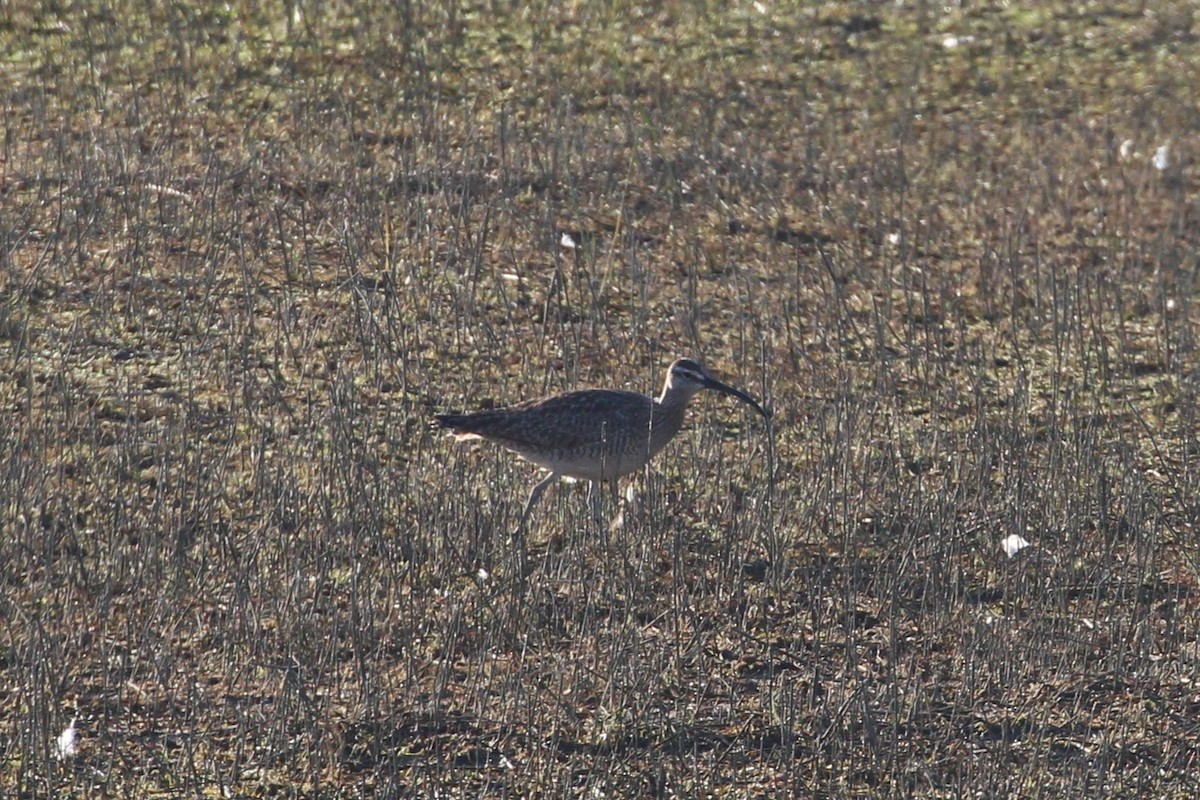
x=626, y=502
x=519, y=535
x=595, y=501
x=534, y=494
x=618, y=521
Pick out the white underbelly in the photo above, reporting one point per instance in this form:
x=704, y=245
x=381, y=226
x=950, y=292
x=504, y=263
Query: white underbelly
x=590, y=467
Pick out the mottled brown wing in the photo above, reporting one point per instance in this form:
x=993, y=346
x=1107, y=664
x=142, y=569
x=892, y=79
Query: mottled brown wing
x=568, y=421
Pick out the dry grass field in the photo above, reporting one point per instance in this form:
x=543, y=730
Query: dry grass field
x=246, y=253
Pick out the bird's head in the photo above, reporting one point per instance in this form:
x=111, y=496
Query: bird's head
x=687, y=377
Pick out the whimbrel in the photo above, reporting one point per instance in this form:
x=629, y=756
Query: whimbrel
x=593, y=434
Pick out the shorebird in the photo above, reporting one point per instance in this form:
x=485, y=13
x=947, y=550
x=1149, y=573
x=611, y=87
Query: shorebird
x=596, y=435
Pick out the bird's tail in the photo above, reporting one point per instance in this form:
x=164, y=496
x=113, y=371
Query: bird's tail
x=458, y=424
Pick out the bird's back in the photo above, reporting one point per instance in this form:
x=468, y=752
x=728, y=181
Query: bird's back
x=594, y=434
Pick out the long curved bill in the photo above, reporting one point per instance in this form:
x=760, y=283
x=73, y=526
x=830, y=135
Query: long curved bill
x=712, y=383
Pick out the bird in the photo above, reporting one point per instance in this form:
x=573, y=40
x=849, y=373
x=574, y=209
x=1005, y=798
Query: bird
x=597, y=435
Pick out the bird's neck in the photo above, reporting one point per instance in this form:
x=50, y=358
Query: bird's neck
x=667, y=417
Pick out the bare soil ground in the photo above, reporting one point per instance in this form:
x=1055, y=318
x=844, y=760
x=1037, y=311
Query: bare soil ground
x=247, y=250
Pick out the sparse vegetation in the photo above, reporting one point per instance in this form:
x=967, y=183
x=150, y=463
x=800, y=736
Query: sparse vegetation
x=247, y=250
